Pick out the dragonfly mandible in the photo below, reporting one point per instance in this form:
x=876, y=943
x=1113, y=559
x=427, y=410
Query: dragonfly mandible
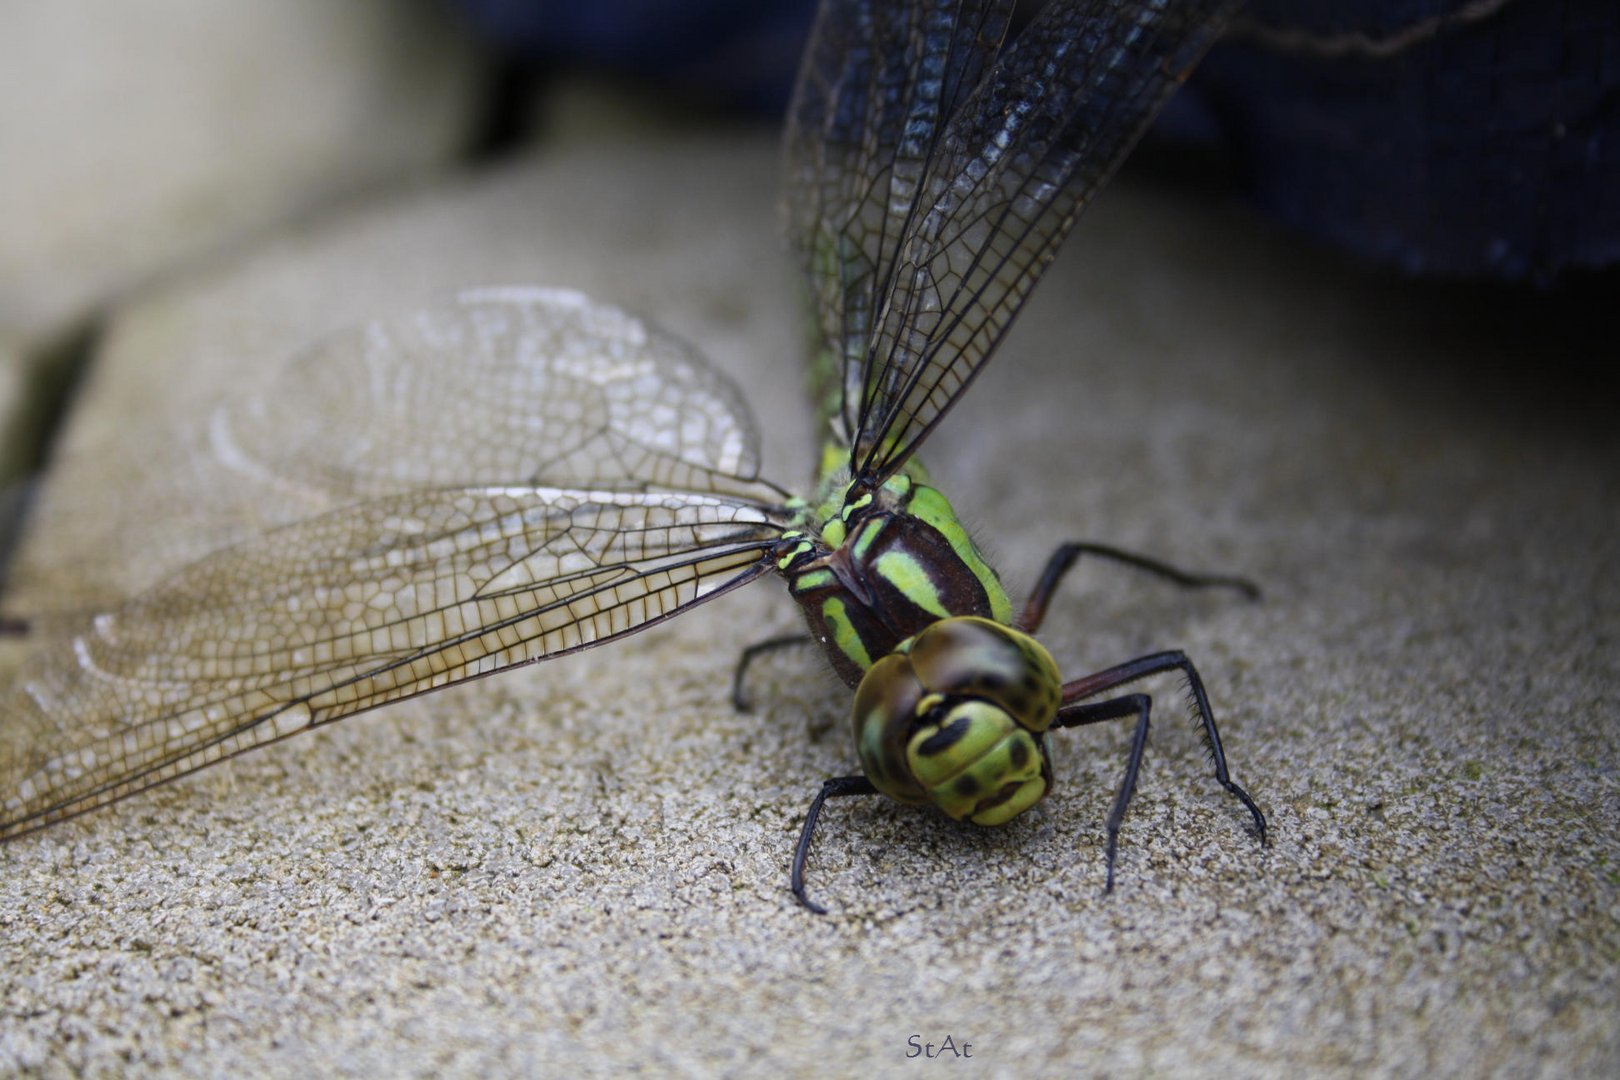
x=542, y=473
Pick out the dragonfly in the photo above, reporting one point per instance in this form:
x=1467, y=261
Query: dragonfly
x=538, y=473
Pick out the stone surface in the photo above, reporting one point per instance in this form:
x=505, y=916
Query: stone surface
x=582, y=866
x=139, y=138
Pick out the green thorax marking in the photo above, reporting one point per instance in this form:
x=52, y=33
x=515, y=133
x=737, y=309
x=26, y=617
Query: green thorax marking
x=874, y=567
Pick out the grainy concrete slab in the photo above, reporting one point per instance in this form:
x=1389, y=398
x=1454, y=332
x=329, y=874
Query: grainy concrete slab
x=582, y=866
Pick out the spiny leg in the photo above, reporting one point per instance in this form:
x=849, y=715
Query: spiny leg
x=1141, y=668
x=1116, y=709
x=836, y=787
x=739, y=699
x=1065, y=556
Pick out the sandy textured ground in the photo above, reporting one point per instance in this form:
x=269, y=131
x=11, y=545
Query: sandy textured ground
x=582, y=866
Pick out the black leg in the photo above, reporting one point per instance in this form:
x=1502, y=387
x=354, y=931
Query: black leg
x=1072, y=714
x=1064, y=558
x=13, y=627
x=1116, y=709
x=739, y=700
x=834, y=788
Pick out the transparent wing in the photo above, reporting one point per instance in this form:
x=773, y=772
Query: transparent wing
x=1001, y=185
x=874, y=87
x=497, y=386
x=358, y=607
x=506, y=479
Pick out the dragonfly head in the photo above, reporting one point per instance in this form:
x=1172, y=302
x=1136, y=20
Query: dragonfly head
x=957, y=716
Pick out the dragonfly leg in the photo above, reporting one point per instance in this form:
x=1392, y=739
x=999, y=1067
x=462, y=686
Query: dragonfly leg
x=1072, y=715
x=739, y=696
x=1065, y=556
x=13, y=627
x=1118, y=708
x=834, y=788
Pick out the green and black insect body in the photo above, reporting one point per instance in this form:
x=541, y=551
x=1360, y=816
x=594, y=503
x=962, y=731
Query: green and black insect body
x=550, y=473
x=932, y=174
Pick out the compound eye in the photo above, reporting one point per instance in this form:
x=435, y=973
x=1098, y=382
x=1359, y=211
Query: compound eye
x=887, y=704
x=979, y=764
x=957, y=716
x=969, y=657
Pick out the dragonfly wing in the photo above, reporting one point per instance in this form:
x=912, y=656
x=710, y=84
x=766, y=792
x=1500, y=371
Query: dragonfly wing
x=1013, y=168
x=515, y=384
x=875, y=85
x=497, y=386
x=372, y=603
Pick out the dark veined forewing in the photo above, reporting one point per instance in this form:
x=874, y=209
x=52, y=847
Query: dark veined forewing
x=632, y=497
x=875, y=85
x=929, y=194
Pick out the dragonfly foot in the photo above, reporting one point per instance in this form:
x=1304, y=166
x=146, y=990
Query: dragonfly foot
x=739, y=693
x=834, y=788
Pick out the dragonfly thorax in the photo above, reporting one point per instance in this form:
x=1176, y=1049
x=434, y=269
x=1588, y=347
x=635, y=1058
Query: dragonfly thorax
x=952, y=704
x=872, y=568
x=957, y=717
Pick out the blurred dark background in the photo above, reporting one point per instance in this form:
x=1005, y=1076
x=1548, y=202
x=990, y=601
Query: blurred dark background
x=1459, y=139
